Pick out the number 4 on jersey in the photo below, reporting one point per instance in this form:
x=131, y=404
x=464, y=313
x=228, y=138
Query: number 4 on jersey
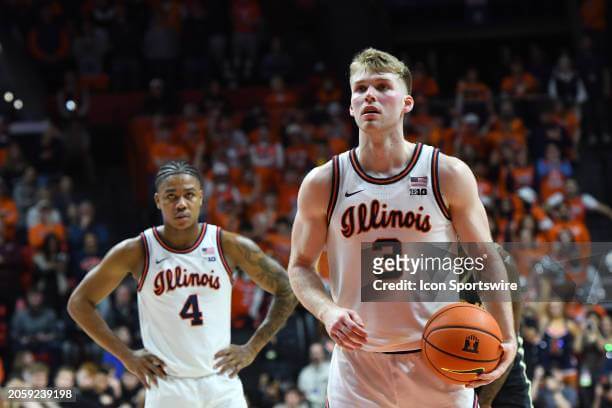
x=191, y=310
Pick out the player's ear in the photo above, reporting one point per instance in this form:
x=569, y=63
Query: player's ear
x=351, y=111
x=156, y=198
x=408, y=103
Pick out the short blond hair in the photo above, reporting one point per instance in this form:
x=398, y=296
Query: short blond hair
x=374, y=60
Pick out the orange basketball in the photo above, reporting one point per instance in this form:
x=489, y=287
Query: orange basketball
x=461, y=341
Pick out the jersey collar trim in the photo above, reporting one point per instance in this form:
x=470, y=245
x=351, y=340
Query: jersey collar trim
x=385, y=180
x=180, y=251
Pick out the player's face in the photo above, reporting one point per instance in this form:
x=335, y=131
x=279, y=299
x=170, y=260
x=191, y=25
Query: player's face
x=179, y=198
x=378, y=100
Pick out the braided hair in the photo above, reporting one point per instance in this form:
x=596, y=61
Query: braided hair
x=173, y=168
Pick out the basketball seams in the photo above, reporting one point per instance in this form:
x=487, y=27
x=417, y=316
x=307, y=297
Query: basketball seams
x=444, y=310
x=466, y=327
x=460, y=357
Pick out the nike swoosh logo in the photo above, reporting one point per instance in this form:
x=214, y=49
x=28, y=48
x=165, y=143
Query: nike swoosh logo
x=157, y=261
x=347, y=194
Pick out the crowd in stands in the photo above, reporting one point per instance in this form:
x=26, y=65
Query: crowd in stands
x=521, y=133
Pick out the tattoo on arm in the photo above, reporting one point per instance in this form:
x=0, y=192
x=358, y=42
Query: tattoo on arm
x=271, y=276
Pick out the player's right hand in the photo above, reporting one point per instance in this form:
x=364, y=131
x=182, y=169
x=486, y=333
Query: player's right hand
x=146, y=366
x=345, y=327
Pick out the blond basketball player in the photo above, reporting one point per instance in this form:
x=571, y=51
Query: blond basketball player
x=377, y=361
x=183, y=270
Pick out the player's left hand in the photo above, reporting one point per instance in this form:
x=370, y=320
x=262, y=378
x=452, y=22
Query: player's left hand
x=509, y=352
x=234, y=358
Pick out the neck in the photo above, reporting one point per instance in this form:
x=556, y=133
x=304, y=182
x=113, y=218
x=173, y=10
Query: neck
x=384, y=153
x=180, y=239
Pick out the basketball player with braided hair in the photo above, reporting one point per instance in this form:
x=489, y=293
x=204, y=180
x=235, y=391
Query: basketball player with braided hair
x=386, y=190
x=184, y=274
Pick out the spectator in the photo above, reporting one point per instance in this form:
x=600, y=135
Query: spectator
x=473, y=95
x=36, y=328
x=64, y=377
x=519, y=84
x=125, y=51
x=551, y=390
x=159, y=100
x=33, y=215
x=277, y=62
x=87, y=223
x=9, y=215
x=11, y=263
x=552, y=172
x=85, y=379
x=77, y=147
x=50, y=152
x=123, y=309
x=50, y=264
x=49, y=44
x=106, y=387
x=89, y=49
x=24, y=192
x=246, y=18
x=312, y=380
x=590, y=347
x=87, y=258
x=161, y=49
x=603, y=392
x=422, y=83
x=566, y=84
x=36, y=375
x=38, y=232
x=15, y=163
x=267, y=158
x=558, y=335
x=293, y=398
x=64, y=196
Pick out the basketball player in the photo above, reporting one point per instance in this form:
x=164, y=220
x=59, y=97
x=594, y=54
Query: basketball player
x=377, y=361
x=183, y=269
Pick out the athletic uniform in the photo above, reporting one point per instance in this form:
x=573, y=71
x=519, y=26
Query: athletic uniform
x=389, y=370
x=184, y=307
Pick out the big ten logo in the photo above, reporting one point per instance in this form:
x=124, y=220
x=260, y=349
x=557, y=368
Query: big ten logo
x=418, y=191
x=471, y=344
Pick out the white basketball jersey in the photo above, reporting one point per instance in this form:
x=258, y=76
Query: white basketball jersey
x=407, y=207
x=184, y=302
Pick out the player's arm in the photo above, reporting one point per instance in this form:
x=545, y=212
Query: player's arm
x=122, y=259
x=458, y=187
x=488, y=392
x=270, y=276
x=308, y=238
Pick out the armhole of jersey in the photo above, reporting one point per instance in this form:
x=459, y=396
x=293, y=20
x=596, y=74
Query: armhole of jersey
x=223, y=260
x=436, y=184
x=333, y=196
x=145, y=269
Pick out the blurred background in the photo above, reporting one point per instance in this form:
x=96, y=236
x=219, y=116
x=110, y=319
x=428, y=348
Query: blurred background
x=95, y=94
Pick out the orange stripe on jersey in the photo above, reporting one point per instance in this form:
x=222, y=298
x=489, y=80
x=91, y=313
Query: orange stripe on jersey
x=385, y=180
x=335, y=185
x=225, y=264
x=436, y=184
x=181, y=251
x=145, y=269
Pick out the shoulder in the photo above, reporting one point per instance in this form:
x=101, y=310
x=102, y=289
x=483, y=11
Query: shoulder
x=129, y=252
x=316, y=188
x=456, y=179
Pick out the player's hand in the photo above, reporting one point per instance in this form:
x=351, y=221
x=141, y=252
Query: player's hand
x=509, y=352
x=146, y=366
x=234, y=358
x=345, y=328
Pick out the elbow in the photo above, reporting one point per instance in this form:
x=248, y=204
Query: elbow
x=74, y=305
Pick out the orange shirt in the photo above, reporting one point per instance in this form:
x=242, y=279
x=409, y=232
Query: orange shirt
x=474, y=91
x=37, y=234
x=519, y=86
x=243, y=293
x=577, y=228
x=8, y=212
x=425, y=85
x=553, y=182
x=245, y=16
x=287, y=197
x=593, y=14
x=577, y=209
x=164, y=151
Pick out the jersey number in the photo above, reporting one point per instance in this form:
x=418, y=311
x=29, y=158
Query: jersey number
x=191, y=310
x=389, y=248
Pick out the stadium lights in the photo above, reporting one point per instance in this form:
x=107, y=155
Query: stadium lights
x=8, y=97
x=18, y=104
x=70, y=105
